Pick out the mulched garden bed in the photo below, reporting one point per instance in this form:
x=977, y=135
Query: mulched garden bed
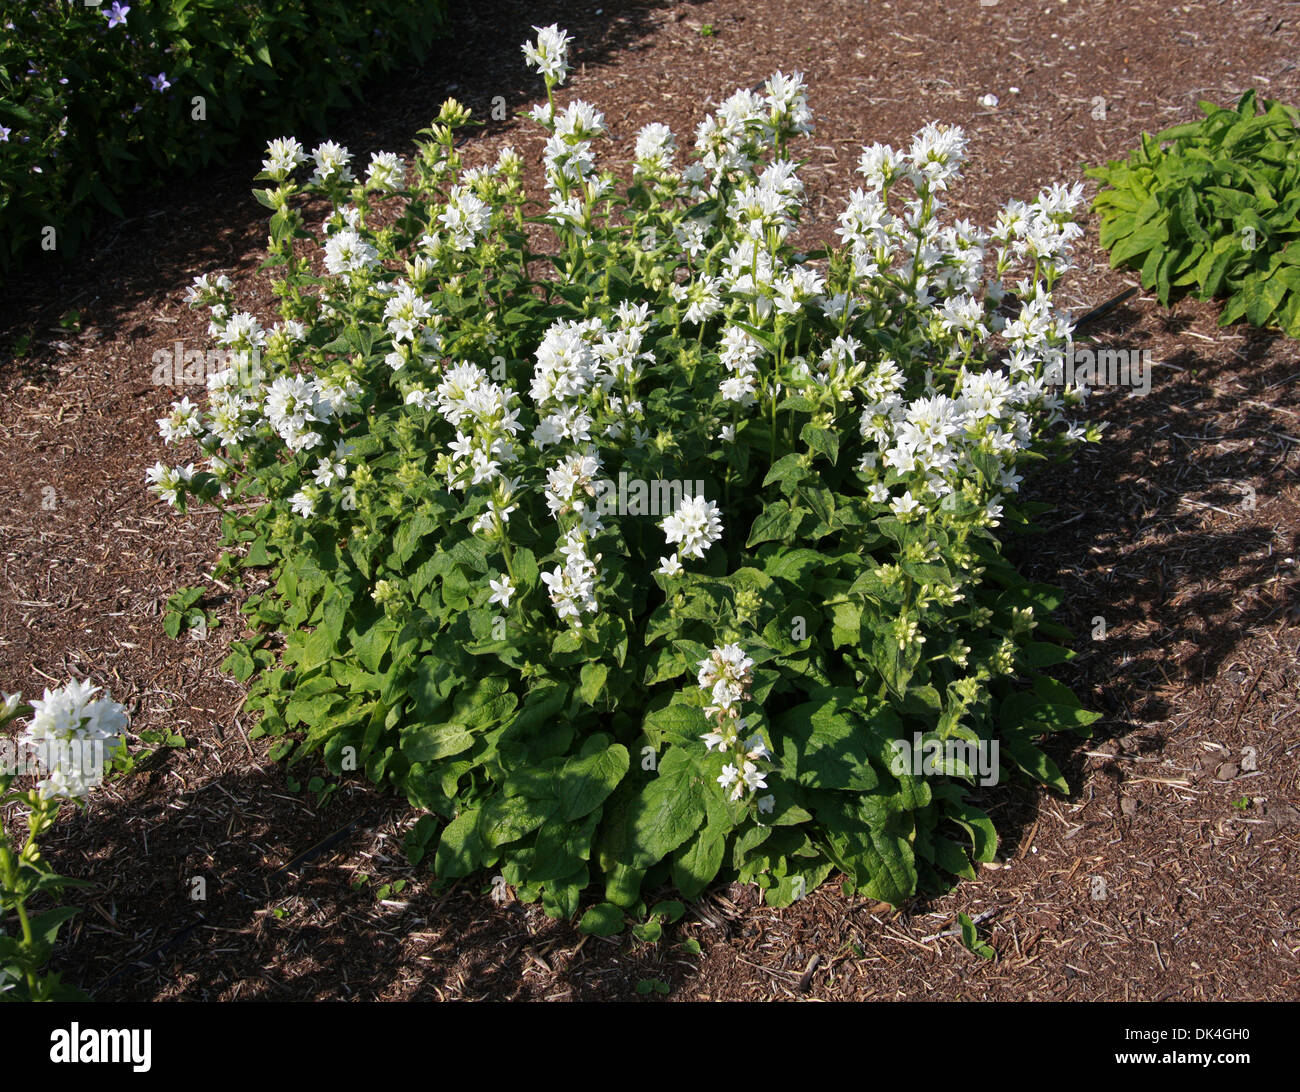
x=1181, y=531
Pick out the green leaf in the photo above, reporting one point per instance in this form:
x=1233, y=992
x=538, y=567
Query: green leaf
x=593, y=682
x=586, y=782
x=45, y=927
x=821, y=441
x=505, y=819
x=695, y=867
x=561, y=849
x=778, y=522
x=789, y=470
x=669, y=809
x=648, y=931
x=430, y=743
x=460, y=849
x=1034, y=762
x=674, y=724
x=970, y=938
x=602, y=920
x=257, y=556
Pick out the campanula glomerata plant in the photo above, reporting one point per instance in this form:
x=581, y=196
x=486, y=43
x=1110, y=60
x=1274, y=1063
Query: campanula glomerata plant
x=631, y=555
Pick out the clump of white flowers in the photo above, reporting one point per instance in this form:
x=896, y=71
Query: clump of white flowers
x=727, y=675
x=283, y=156
x=169, y=482
x=441, y=429
x=549, y=54
x=919, y=447
x=694, y=527
x=74, y=736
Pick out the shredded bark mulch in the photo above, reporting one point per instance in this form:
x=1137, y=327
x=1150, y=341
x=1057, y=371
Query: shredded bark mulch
x=1169, y=873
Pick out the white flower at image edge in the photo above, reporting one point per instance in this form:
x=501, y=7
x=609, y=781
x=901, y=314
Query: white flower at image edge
x=74, y=735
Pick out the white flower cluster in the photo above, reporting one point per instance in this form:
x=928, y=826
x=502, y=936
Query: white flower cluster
x=208, y=290
x=933, y=440
x=168, y=482
x=466, y=217
x=747, y=125
x=572, y=181
x=584, y=390
x=405, y=312
x=927, y=442
x=74, y=736
x=549, y=54
x=386, y=173
x=347, y=252
x=296, y=407
x=655, y=148
x=283, y=156
x=572, y=586
x=694, y=526
x=739, y=355
x=485, y=415
x=332, y=164
x=727, y=675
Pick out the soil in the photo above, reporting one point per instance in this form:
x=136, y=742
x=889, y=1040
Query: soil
x=1170, y=872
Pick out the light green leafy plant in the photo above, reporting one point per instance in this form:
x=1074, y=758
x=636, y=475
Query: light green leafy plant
x=971, y=939
x=636, y=570
x=1213, y=205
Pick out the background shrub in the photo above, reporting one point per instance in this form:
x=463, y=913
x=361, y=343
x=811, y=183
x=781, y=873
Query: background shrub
x=1213, y=205
x=96, y=101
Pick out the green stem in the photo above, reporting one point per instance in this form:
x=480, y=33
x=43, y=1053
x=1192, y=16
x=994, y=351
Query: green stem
x=28, y=943
x=37, y=821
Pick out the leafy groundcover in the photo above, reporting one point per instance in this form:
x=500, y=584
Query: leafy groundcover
x=1213, y=206
x=634, y=545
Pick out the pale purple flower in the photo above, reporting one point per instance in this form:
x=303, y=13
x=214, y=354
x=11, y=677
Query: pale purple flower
x=160, y=82
x=116, y=15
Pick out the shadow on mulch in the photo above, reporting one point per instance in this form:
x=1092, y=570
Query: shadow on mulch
x=282, y=914
x=1167, y=595
x=210, y=221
